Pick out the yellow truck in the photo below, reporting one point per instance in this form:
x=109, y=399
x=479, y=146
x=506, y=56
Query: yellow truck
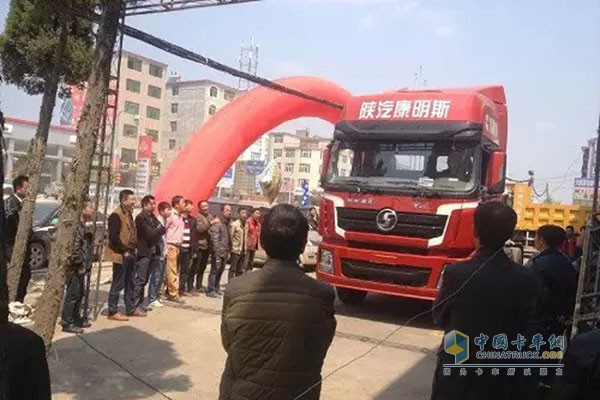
x=533, y=215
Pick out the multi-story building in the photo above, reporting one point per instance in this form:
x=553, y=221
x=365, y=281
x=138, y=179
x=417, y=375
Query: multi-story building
x=140, y=112
x=59, y=150
x=188, y=106
x=583, y=188
x=299, y=156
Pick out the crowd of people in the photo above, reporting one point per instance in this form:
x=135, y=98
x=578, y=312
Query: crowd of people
x=278, y=323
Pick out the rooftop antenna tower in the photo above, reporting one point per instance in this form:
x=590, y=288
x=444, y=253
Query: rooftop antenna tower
x=248, y=63
x=420, y=80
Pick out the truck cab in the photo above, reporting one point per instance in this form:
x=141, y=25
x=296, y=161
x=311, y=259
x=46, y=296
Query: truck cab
x=402, y=178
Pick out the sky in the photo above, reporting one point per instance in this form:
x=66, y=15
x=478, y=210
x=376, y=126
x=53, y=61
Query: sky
x=545, y=53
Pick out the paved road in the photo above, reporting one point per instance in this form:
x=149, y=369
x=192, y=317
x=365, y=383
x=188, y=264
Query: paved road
x=176, y=353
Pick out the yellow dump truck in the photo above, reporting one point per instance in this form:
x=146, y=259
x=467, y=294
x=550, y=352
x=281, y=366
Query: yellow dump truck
x=533, y=215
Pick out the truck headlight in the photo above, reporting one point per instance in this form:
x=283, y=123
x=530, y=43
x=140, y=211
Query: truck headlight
x=326, y=262
x=441, y=278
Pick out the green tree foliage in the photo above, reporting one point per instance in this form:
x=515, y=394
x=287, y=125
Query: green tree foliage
x=30, y=41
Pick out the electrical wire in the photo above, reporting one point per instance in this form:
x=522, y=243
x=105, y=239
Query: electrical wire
x=118, y=364
x=383, y=340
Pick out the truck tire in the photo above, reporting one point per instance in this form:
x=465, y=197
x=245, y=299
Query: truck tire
x=350, y=297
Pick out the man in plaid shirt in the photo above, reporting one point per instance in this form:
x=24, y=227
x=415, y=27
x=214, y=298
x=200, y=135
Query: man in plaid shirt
x=12, y=209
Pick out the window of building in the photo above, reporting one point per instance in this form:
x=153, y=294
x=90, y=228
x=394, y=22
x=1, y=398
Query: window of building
x=153, y=133
x=172, y=144
x=254, y=156
x=155, y=70
x=173, y=126
x=290, y=153
x=128, y=156
x=134, y=63
x=305, y=168
x=289, y=167
x=229, y=95
x=132, y=108
x=175, y=90
x=277, y=153
x=154, y=91
x=212, y=110
x=152, y=112
x=130, y=130
x=214, y=92
x=306, y=154
x=133, y=85
x=278, y=139
x=174, y=108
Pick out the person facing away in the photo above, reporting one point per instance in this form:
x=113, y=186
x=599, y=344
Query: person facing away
x=581, y=378
x=277, y=322
x=157, y=275
x=12, y=210
x=488, y=294
x=557, y=281
x=239, y=233
x=203, y=223
x=252, y=239
x=79, y=263
x=189, y=247
x=174, y=238
x=149, y=237
x=220, y=241
x=121, y=252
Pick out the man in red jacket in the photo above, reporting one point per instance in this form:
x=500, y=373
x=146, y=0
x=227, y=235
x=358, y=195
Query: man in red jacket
x=252, y=239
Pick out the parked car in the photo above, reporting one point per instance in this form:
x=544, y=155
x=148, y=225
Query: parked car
x=45, y=219
x=308, y=259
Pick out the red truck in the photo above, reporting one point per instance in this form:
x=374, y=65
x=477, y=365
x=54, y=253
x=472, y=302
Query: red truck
x=402, y=178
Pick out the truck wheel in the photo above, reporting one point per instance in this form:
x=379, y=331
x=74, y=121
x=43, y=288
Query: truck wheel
x=350, y=297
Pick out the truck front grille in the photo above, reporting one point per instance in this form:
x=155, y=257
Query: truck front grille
x=394, y=274
x=425, y=226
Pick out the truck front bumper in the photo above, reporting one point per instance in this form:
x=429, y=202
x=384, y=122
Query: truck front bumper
x=397, y=274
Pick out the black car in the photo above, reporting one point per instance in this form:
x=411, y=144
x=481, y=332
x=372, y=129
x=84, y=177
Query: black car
x=45, y=219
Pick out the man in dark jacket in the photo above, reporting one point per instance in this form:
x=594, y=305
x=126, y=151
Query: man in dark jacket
x=149, y=235
x=79, y=263
x=12, y=211
x=203, y=224
x=581, y=379
x=557, y=280
x=277, y=323
x=490, y=295
x=220, y=240
x=188, y=251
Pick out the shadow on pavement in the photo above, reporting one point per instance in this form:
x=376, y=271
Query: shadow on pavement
x=82, y=373
x=415, y=384
x=389, y=309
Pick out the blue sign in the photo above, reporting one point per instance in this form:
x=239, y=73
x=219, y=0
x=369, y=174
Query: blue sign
x=255, y=167
x=306, y=194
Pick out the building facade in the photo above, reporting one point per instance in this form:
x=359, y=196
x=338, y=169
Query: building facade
x=18, y=135
x=583, y=187
x=142, y=86
x=300, y=157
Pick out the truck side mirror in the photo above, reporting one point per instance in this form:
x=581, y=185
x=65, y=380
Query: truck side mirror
x=326, y=160
x=495, y=178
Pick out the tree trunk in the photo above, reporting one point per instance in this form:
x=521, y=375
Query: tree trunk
x=76, y=188
x=36, y=162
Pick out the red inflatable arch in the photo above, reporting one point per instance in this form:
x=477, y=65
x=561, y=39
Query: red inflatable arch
x=200, y=165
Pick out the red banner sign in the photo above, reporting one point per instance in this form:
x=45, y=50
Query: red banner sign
x=145, y=148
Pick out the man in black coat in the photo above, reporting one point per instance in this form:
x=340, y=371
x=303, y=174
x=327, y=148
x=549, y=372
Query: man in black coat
x=149, y=234
x=490, y=295
x=277, y=322
x=79, y=263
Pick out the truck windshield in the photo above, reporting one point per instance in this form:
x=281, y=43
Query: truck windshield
x=405, y=166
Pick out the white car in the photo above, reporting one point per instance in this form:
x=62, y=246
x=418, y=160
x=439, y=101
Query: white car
x=308, y=259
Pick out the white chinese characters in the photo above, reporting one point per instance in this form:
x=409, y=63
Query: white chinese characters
x=405, y=109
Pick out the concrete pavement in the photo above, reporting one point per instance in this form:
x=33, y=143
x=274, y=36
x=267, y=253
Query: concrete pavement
x=176, y=353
